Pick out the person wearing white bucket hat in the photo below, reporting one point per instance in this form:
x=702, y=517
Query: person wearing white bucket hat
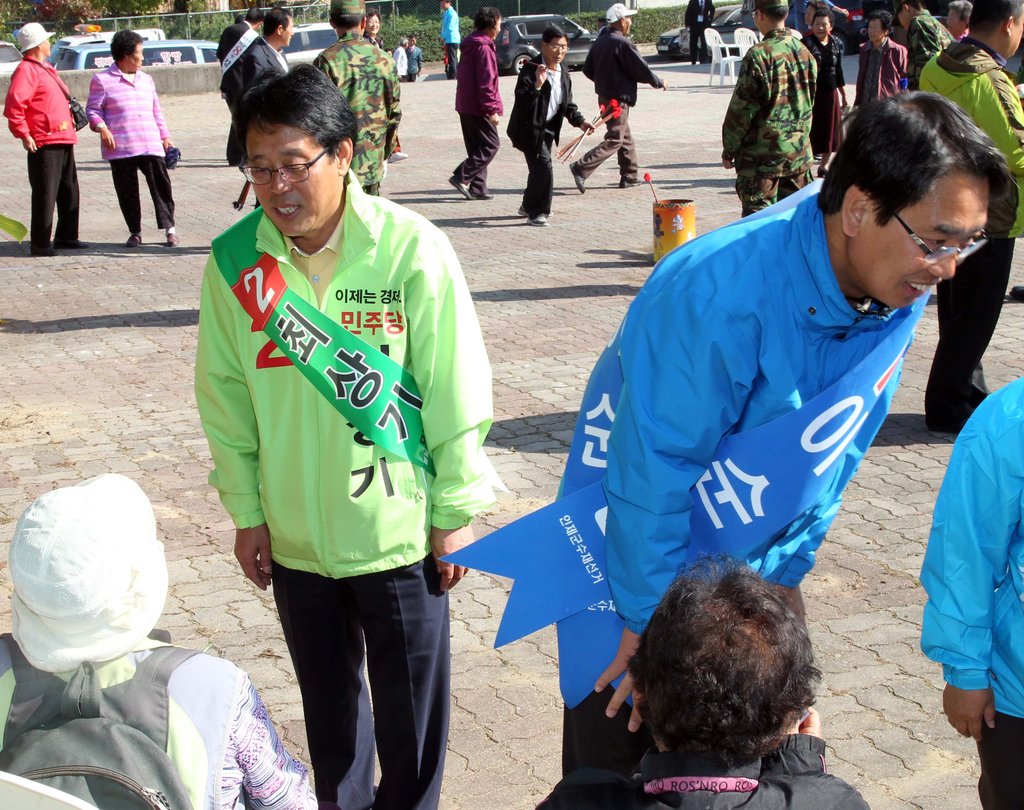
x=38, y=115
x=32, y=35
x=90, y=581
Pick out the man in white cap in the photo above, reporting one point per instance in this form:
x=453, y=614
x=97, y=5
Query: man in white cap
x=90, y=581
x=615, y=66
x=38, y=115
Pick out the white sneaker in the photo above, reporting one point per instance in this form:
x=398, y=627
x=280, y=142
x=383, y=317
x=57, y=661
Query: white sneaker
x=522, y=212
x=397, y=157
x=539, y=220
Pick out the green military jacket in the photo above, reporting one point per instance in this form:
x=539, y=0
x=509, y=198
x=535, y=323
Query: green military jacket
x=768, y=124
x=926, y=36
x=367, y=77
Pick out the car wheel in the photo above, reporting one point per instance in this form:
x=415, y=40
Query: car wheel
x=519, y=61
x=842, y=40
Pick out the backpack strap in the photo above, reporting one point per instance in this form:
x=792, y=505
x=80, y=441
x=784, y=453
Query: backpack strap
x=145, y=696
x=37, y=695
x=81, y=696
x=41, y=697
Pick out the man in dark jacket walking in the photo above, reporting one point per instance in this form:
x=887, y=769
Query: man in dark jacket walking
x=250, y=58
x=699, y=14
x=615, y=66
x=478, y=104
x=543, y=101
x=244, y=23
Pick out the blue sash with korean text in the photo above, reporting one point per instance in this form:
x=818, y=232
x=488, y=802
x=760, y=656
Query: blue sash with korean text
x=760, y=480
x=557, y=557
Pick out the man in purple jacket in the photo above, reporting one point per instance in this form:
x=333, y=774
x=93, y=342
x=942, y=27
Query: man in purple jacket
x=478, y=104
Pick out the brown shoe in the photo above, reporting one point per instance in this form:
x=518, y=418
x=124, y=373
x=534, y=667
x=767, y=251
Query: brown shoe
x=173, y=240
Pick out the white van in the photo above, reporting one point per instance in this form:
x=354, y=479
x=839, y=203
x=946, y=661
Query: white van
x=91, y=34
x=308, y=40
x=96, y=55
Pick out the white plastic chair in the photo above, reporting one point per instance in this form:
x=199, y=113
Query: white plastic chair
x=719, y=56
x=745, y=39
x=24, y=794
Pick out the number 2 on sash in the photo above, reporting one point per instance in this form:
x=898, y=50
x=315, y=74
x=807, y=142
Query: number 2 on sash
x=266, y=358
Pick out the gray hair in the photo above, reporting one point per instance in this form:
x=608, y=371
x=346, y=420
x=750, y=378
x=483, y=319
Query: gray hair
x=963, y=9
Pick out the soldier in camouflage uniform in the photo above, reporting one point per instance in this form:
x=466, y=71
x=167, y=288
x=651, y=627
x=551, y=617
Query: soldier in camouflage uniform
x=766, y=133
x=926, y=37
x=368, y=79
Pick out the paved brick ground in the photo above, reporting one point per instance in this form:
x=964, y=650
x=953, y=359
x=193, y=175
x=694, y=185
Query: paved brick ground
x=96, y=355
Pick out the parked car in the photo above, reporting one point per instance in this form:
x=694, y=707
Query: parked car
x=90, y=34
x=308, y=41
x=676, y=41
x=851, y=31
x=10, y=57
x=157, y=52
x=519, y=40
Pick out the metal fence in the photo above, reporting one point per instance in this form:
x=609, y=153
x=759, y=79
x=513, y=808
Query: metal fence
x=396, y=15
x=205, y=24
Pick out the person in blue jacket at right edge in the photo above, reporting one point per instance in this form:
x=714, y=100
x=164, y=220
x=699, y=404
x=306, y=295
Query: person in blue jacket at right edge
x=747, y=325
x=974, y=575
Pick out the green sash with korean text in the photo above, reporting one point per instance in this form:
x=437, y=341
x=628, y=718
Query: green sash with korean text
x=374, y=393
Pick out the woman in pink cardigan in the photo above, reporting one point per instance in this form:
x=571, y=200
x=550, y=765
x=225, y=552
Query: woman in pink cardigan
x=124, y=110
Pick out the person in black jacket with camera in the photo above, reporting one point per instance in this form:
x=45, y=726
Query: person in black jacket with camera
x=725, y=678
x=543, y=100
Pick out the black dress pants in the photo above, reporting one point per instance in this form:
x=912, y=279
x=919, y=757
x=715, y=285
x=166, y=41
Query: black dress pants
x=969, y=307
x=233, y=150
x=698, y=45
x=592, y=740
x=53, y=178
x=451, y=65
x=400, y=617
x=1001, y=786
x=126, y=184
x=482, y=141
x=540, y=184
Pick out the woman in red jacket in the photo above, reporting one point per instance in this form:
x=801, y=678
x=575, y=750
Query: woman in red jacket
x=38, y=115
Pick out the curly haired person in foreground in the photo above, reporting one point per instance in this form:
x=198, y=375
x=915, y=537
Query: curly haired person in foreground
x=726, y=678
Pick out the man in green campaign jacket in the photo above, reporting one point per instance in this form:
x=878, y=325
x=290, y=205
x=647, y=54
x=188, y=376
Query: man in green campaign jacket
x=345, y=391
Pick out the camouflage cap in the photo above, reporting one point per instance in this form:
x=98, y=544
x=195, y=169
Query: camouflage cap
x=772, y=5
x=348, y=7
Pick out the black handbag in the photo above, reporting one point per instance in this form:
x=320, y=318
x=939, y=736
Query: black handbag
x=77, y=113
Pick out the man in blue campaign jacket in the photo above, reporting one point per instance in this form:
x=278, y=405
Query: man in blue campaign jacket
x=974, y=574
x=750, y=323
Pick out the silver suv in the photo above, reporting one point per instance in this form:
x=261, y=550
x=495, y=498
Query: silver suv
x=519, y=40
